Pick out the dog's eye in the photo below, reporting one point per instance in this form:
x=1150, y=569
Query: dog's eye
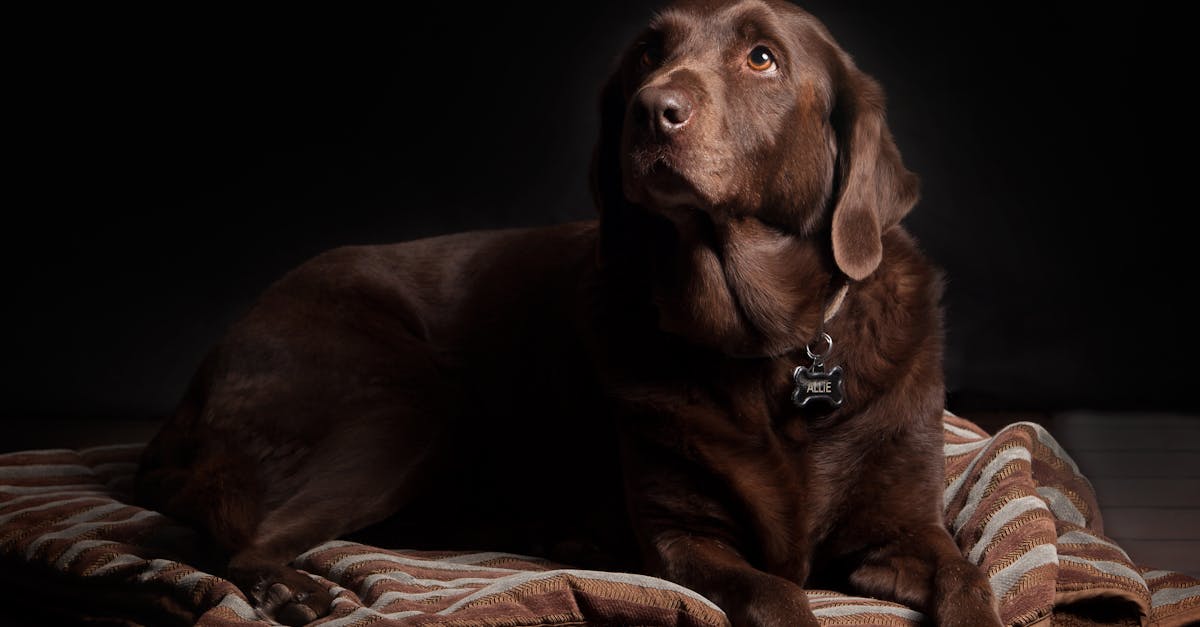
x=760, y=59
x=651, y=55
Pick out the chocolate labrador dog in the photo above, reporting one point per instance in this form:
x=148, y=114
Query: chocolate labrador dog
x=732, y=380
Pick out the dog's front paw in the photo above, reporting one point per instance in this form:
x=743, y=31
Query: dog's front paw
x=965, y=598
x=772, y=606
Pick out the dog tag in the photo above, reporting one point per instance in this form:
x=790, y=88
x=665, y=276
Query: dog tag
x=815, y=385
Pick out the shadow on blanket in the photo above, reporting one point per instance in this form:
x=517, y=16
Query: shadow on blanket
x=72, y=550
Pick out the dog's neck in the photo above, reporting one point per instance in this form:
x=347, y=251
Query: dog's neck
x=741, y=286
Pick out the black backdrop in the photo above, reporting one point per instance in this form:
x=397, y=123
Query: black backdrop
x=166, y=166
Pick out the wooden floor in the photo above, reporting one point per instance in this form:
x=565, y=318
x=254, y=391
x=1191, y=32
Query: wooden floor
x=1145, y=469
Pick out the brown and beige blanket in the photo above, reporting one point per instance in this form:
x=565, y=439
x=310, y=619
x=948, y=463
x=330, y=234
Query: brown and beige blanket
x=73, y=550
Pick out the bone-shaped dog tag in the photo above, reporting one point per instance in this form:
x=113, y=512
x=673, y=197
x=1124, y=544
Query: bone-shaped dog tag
x=813, y=384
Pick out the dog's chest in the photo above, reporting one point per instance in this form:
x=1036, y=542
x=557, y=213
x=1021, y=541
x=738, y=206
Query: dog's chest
x=750, y=452
x=818, y=450
x=788, y=466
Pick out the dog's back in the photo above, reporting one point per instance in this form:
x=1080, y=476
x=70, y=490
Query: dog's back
x=423, y=377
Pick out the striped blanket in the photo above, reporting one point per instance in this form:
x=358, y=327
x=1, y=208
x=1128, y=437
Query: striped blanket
x=72, y=549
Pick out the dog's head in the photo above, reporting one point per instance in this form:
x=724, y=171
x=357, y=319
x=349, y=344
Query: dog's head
x=749, y=109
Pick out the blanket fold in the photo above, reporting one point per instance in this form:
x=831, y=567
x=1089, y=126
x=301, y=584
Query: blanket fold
x=1021, y=510
x=72, y=548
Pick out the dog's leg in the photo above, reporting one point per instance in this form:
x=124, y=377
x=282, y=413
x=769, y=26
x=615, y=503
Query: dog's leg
x=247, y=547
x=750, y=597
x=259, y=516
x=923, y=568
x=343, y=491
x=261, y=568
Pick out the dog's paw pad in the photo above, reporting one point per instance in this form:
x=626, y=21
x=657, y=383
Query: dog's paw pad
x=285, y=595
x=295, y=613
x=276, y=595
x=292, y=607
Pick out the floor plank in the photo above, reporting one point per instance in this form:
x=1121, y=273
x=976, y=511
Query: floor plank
x=36, y=433
x=1137, y=464
x=1151, y=523
x=1147, y=491
x=1178, y=555
x=1107, y=431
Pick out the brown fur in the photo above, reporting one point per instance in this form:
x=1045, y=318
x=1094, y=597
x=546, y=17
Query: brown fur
x=513, y=389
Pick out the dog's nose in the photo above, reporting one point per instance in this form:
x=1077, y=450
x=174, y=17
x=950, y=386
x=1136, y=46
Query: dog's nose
x=667, y=110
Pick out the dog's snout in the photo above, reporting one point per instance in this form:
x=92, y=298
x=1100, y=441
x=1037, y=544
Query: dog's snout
x=666, y=110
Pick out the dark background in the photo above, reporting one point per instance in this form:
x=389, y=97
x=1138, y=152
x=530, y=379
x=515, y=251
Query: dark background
x=166, y=167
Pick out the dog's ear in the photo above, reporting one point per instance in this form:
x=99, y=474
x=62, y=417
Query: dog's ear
x=875, y=190
x=605, y=176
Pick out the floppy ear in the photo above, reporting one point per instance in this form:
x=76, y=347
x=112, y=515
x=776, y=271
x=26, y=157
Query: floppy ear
x=876, y=190
x=607, y=192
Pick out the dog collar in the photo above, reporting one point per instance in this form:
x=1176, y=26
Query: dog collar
x=813, y=383
x=835, y=305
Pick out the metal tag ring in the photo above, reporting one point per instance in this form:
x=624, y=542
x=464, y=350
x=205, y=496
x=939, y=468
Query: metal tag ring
x=828, y=341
